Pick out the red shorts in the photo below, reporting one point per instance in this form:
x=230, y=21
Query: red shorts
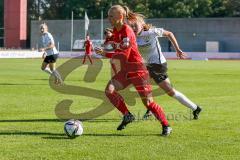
x=139, y=79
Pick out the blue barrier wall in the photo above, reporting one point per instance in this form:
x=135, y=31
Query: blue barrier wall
x=191, y=33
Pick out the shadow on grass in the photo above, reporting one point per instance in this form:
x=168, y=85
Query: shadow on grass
x=19, y=84
x=30, y=120
x=57, y=138
x=54, y=136
x=103, y=135
x=119, y=135
x=48, y=135
x=57, y=120
x=41, y=79
x=23, y=133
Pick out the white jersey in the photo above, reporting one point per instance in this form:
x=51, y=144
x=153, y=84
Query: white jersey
x=149, y=46
x=47, y=38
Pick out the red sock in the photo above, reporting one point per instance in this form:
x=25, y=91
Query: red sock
x=158, y=113
x=118, y=101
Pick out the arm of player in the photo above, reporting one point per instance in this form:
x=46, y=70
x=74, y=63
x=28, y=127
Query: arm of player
x=104, y=53
x=171, y=37
x=50, y=46
x=107, y=49
x=43, y=55
x=50, y=43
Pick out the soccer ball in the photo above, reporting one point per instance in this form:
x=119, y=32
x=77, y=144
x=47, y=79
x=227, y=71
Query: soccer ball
x=73, y=128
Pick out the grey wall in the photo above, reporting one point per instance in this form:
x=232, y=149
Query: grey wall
x=191, y=34
x=61, y=31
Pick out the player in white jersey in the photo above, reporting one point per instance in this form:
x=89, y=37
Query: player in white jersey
x=50, y=54
x=149, y=47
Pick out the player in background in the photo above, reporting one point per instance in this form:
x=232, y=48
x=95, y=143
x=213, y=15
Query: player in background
x=147, y=40
x=50, y=54
x=88, y=50
x=108, y=32
x=132, y=71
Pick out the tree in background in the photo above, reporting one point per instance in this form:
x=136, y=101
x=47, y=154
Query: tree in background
x=233, y=7
x=61, y=9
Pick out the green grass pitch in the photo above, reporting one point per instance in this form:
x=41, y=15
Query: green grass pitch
x=29, y=128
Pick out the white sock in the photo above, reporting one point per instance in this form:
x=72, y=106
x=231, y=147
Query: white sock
x=57, y=75
x=47, y=70
x=184, y=100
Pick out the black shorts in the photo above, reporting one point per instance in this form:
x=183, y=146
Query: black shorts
x=51, y=59
x=158, y=72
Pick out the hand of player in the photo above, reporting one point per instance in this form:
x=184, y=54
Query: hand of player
x=181, y=54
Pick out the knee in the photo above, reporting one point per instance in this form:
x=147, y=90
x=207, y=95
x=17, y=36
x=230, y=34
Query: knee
x=171, y=92
x=109, y=90
x=147, y=101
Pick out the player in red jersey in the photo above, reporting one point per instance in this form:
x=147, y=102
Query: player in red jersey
x=132, y=71
x=88, y=49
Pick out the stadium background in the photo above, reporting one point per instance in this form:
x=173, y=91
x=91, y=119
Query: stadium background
x=192, y=24
x=192, y=34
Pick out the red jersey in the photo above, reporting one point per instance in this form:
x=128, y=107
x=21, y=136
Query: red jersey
x=88, y=46
x=126, y=44
x=132, y=71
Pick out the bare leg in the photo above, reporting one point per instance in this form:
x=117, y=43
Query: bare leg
x=58, y=78
x=45, y=68
x=166, y=86
x=90, y=59
x=84, y=59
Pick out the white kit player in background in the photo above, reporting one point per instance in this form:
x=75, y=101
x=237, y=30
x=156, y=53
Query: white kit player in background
x=50, y=54
x=149, y=47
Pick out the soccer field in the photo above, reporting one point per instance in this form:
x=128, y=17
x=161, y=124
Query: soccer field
x=30, y=129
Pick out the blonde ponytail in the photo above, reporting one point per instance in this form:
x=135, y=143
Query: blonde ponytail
x=136, y=17
x=131, y=16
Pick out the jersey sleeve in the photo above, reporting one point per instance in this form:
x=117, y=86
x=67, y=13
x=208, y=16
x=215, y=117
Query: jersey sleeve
x=50, y=39
x=158, y=32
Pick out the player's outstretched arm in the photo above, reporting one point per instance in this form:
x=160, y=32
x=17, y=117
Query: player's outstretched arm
x=171, y=37
x=43, y=55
